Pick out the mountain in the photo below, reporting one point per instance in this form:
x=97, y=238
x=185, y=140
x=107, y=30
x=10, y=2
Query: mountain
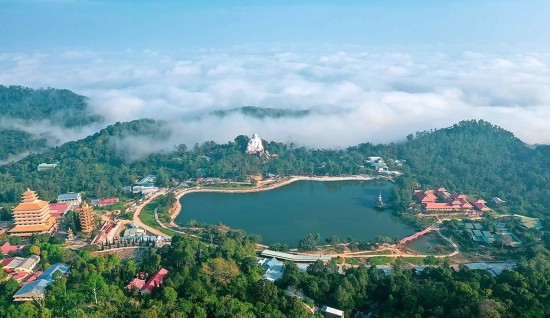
x=473, y=157
x=28, y=113
x=261, y=113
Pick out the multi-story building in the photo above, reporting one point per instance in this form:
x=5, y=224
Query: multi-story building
x=87, y=218
x=32, y=216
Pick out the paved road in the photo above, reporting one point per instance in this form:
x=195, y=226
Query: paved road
x=138, y=211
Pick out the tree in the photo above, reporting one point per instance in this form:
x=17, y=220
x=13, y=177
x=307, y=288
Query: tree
x=505, y=240
x=220, y=270
x=332, y=240
x=169, y=295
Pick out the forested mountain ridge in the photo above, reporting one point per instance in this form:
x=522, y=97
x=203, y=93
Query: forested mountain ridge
x=473, y=157
x=58, y=105
x=261, y=113
x=26, y=107
x=478, y=158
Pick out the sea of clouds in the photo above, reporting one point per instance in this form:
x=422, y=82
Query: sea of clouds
x=355, y=95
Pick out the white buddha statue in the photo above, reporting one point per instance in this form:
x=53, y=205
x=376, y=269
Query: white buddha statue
x=255, y=145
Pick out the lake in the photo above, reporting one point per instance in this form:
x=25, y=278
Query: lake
x=291, y=212
x=424, y=244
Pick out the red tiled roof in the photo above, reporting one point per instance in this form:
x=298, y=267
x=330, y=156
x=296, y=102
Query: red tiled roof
x=437, y=206
x=441, y=190
x=155, y=280
x=34, y=276
x=136, y=284
x=58, y=207
x=7, y=261
x=108, y=201
x=6, y=248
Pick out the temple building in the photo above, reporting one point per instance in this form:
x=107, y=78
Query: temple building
x=86, y=215
x=32, y=216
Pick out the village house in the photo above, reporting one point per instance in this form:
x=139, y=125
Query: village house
x=146, y=287
x=7, y=247
x=20, y=264
x=35, y=290
x=329, y=312
x=70, y=199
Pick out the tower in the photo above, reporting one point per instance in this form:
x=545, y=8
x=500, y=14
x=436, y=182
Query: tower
x=86, y=216
x=32, y=216
x=70, y=235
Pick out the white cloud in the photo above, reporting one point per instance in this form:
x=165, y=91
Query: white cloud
x=355, y=96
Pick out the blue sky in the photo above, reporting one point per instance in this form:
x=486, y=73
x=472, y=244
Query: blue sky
x=370, y=70
x=103, y=25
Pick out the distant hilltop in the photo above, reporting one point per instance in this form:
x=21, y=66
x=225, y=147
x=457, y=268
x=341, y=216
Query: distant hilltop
x=260, y=113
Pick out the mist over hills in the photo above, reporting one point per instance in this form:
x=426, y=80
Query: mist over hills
x=471, y=157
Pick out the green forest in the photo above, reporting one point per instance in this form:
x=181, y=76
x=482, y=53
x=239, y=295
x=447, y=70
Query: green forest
x=224, y=281
x=25, y=107
x=473, y=157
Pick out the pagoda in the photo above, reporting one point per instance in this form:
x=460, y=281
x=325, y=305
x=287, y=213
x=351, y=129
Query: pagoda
x=70, y=235
x=86, y=215
x=32, y=216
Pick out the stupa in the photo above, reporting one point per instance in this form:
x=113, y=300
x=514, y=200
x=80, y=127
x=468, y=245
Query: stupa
x=255, y=145
x=32, y=216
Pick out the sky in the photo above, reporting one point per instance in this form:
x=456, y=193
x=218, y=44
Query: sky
x=369, y=70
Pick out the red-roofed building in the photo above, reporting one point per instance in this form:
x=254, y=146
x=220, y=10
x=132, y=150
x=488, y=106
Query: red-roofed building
x=58, y=210
x=7, y=261
x=6, y=248
x=100, y=202
x=454, y=201
x=19, y=276
x=480, y=205
x=136, y=284
x=34, y=276
x=156, y=280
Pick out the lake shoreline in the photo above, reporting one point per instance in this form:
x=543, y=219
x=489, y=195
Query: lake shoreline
x=270, y=186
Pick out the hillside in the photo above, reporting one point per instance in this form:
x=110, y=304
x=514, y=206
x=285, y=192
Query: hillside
x=26, y=107
x=473, y=157
x=261, y=113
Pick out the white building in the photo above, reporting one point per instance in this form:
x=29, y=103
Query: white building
x=70, y=199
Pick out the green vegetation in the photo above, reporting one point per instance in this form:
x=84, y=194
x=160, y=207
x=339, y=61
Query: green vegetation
x=59, y=105
x=380, y=260
x=147, y=216
x=261, y=113
x=21, y=106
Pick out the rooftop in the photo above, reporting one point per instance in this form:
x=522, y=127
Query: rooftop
x=33, y=289
x=295, y=258
x=68, y=196
x=48, y=274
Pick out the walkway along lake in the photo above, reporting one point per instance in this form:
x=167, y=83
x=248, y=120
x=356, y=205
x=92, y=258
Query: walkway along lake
x=289, y=213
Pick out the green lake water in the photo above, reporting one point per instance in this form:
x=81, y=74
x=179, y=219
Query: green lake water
x=291, y=212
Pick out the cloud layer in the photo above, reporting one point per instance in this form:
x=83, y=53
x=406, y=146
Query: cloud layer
x=355, y=95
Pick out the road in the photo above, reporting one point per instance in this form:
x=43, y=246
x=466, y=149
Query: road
x=138, y=211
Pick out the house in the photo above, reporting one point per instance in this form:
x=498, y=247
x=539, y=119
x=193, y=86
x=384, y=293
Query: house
x=18, y=277
x=134, y=232
x=6, y=248
x=375, y=159
x=498, y=201
x=47, y=166
x=101, y=202
x=480, y=205
x=399, y=162
x=528, y=223
x=454, y=202
x=35, y=289
x=70, y=199
x=127, y=189
x=329, y=312
x=136, y=283
x=48, y=273
x=58, y=211
x=154, y=281
x=20, y=264
x=274, y=269
x=147, y=179
x=32, y=291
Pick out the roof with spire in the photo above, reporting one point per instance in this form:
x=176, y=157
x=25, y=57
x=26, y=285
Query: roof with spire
x=30, y=201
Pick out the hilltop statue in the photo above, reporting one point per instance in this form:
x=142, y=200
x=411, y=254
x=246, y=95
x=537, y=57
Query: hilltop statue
x=255, y=145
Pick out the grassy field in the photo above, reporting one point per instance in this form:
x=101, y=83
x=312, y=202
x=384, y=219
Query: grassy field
x=380, y=260
x=147, y=216
x=382, y=252
x=414, y=260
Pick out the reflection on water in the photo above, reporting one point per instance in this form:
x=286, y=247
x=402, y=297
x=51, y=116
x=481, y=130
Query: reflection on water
x=425, y=244
x=289, y=213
